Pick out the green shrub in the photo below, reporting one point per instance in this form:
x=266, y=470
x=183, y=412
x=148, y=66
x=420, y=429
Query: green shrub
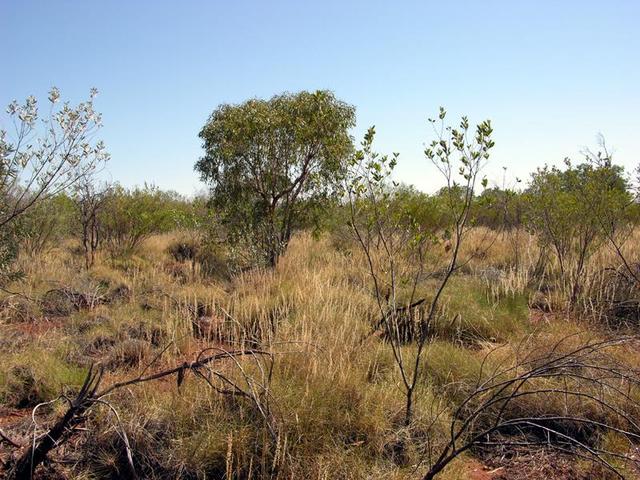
x=47, y=223
x=131, y=216
x=572, y=211
x=8, y=255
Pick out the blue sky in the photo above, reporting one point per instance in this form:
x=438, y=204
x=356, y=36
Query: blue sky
x=550, y=74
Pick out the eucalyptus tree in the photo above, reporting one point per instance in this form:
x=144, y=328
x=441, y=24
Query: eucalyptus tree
x=267, y=160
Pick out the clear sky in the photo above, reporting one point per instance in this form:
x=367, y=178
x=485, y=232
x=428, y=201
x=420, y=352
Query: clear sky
x=550, y=74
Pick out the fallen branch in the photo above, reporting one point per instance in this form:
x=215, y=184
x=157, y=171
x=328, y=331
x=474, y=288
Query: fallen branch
x=583, y=373
x=90, y=395
x=5, y=438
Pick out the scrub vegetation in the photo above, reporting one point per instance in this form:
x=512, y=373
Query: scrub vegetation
x=310, y=317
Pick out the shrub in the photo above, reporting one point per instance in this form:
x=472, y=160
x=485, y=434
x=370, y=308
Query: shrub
x=567, y=210
x=45, y=224
x=131, y=216
x=46, y=156
x=8, y=255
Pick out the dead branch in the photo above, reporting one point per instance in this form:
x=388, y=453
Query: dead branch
x=585, y=373
x=90, y=394
x=61, y=430
x=5, y=438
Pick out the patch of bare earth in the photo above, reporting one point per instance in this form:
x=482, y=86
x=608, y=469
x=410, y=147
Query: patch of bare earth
x=478, y=471
x=528, y=464
x=37, y=328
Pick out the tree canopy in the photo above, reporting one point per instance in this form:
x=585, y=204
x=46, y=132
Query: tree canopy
x=262, y=158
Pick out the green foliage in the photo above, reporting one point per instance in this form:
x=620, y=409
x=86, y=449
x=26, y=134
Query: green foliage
x=47, y=223
x=191, y=214
x=575, y=210
x=268, y=160
x=132, y=215
x=8, y=254
x=499, y=208
x=376, y=201
x=566, y=208
x=427, y=211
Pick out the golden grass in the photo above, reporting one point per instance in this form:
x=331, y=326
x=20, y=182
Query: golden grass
x=335, y=389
